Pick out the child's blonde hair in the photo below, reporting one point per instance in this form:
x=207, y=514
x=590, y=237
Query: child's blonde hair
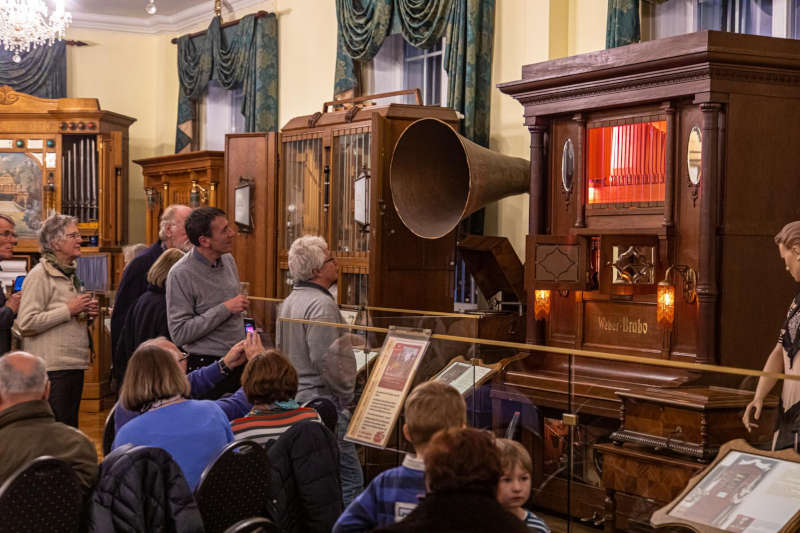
x=513, y=453
x=432, y=406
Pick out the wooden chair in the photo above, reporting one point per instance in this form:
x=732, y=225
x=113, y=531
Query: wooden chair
x=235, y=486
x=257, y=524
x=327, y=411
x=43, y=495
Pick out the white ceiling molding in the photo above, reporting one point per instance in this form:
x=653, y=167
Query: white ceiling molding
x=180, y=22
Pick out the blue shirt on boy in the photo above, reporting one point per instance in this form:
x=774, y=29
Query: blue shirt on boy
x=391, y=496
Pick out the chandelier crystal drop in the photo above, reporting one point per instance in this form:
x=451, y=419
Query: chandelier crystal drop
x=25, y=24
x=151, y=8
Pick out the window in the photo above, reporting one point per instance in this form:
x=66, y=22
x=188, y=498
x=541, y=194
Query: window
x=772, y=18
x=219, y=112
x=399, y=65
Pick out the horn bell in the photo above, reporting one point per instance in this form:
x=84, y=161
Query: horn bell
x=439, y=177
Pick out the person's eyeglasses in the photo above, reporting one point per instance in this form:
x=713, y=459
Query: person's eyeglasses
x=184, y=358
x=74, y=235
x=8, y=234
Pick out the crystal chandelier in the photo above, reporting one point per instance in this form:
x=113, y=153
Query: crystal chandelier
x=24, y=24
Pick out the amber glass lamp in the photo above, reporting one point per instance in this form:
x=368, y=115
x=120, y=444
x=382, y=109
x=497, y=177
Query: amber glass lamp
x=541, y=304
x=665, y=313
x=666, y=304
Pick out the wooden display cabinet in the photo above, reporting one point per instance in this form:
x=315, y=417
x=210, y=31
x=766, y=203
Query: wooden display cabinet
x=671, y=153
x=334, y=182
x=191, y=178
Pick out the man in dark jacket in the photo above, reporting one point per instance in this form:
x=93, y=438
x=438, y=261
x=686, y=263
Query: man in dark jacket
x=10, y=306
x=28, y=428
x=171, y=234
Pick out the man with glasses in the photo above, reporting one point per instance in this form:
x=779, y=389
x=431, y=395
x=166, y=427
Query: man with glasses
x=204, y=304
x=171, y=234
x=8, y=306
x=322, y=355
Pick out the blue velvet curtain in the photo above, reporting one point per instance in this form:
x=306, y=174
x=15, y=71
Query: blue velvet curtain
x=622, y=24
x=243, y=55
x=468, y=26
x=42, y=71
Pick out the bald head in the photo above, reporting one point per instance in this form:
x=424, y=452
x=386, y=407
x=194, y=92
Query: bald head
x=23, y=377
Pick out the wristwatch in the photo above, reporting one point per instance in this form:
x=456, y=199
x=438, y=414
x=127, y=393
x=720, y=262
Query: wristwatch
x=223, y=367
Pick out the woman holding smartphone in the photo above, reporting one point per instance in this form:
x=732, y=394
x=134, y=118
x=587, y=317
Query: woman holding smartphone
x=54, y=314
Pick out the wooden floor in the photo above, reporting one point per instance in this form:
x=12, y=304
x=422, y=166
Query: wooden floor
x=92, y=425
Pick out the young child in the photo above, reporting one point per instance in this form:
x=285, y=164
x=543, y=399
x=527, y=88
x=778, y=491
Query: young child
x=393, y=494
x=514, y=488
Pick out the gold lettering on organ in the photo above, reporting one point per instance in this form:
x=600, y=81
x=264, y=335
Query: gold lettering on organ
x=623, y=325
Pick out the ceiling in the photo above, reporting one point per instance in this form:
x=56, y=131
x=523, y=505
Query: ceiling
x=172, y=15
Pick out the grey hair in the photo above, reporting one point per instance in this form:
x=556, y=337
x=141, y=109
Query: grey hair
x=8, y=219
x=132, y=250
x=789, y=235
x=168, y=219
x=53, y=230
x=306, y=255
x=16, y=382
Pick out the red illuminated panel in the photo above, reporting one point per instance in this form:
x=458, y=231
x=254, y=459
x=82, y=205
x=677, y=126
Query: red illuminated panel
x=626, y=163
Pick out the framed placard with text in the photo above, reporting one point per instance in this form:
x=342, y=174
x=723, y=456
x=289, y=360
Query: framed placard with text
x=745, y=490
x=465, y=375
x=387, y=386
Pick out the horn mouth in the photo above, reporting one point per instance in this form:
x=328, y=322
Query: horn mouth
x=430, y=178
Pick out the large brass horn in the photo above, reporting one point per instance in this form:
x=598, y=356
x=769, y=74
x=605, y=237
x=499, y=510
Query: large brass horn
x=438, y=177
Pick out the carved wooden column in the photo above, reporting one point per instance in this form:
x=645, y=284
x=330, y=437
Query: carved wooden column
x=669, y=167
x=707, y=282
x=580, y=160
x=537, y=222
x=538, y=201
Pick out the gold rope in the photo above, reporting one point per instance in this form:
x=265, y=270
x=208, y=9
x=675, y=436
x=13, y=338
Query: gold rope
x=701, y=367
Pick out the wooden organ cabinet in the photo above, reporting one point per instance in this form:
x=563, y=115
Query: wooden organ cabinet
x=191, y=178
x=675, y=153
x=334, y=182
x=69, y=156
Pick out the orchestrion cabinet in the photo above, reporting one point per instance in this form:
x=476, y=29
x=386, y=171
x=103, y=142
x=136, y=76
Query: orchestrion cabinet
x=69, y=156
x=660, y=173
x=334, y=181
x=190, y=178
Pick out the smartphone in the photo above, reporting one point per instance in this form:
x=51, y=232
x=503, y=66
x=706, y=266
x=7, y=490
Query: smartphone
x=18, y=283
x=249, y=325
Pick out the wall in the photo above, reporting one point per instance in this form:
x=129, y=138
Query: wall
x=136, y=75
x=531, y=31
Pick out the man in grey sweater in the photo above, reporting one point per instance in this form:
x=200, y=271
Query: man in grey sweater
x=204, y=304
x=322, y=355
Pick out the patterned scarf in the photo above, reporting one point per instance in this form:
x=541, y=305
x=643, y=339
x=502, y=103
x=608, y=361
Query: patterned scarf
x=790, y=332
x=67, y=270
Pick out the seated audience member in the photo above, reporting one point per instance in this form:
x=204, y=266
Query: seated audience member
x=204, y=379
x=394, y=493
x=462, y=469
x=270, y=383
x=192, y=431
x=515, y=484
x=27, y=425
x=147, y=319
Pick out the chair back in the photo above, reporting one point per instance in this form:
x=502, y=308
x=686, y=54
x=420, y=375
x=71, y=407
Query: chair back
x=235, y=486
x=257, y=524
x=327, y=411
x=109, y=431
x=43, y=495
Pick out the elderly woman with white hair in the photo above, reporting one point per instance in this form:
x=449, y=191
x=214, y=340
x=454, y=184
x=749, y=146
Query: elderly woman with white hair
x=322, y=355
x=53, y=315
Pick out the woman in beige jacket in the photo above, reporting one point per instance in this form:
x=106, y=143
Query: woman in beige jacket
x=53, y=315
